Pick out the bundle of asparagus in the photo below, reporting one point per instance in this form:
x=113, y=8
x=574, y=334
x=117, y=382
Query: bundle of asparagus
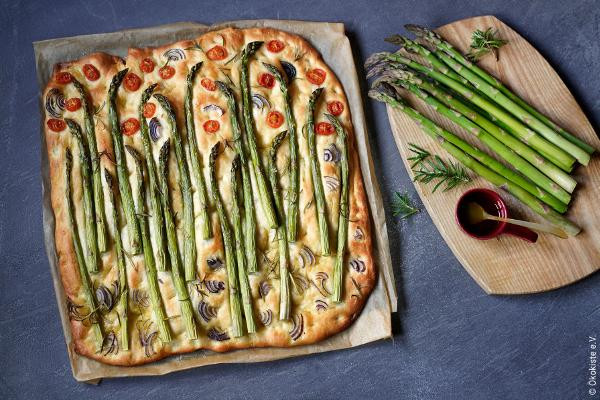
x=539, y=153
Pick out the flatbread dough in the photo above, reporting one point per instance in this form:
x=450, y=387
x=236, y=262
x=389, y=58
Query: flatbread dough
x=314, y=316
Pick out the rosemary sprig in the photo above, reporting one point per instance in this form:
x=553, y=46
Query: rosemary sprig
x=420, y=155
x=402, y=206
x=449, y=173
x=483, y=42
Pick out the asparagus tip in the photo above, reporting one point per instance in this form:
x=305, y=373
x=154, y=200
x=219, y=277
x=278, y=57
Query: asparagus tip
x=375, y=60
x=252, y=47
x=420, y=31
x=108, y=178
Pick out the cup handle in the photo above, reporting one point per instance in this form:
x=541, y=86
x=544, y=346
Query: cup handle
x=521, y=232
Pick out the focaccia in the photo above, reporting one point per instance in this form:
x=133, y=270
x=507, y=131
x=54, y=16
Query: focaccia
x=102, y=304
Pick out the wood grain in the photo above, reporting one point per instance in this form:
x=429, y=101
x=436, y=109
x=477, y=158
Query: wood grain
x=508, y=265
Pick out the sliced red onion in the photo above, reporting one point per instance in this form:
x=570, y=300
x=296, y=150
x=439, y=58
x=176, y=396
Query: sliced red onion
x=155, y=129
x=74, y=311
x=104, y=298
x=359, y=234
x=174, y=54
x=214, y=263
x=55, y=103
x=206, y=311
x=322, y=278
x=266, y=317
x=289, y=69
x=297, y=327
x=300, y=283
x=110, y=344
x=147, y=342
x=264, y=288
x=321, y=305
x=306, y=256
x=217, y=335
x=140, y=297
x=116, y=289
x=214, y=286
x=331, y=182
x=259, y=101
x=213, y=107
x=358, y=265
x=332, y=154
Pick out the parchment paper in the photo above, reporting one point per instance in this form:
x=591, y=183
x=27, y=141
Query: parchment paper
x=329, y=39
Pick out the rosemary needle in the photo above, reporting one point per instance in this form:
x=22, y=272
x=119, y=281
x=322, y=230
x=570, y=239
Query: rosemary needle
x=402, y=206
x=482, y=42
x=449, y=173
x=420, y=154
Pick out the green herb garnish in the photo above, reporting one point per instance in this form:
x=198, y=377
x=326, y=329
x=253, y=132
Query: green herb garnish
x=449, y=173
x=483, y=42
x=420, y=154
x=402, y=206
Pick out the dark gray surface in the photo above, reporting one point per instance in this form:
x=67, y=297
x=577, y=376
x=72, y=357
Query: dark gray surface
x=451, y=340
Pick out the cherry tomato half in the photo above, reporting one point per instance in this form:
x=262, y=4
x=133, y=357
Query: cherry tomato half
x=266, y=80
x=316, y=76
x=132, y=82
x=211, y=126
x=56, y=125
x=335, y=107
x=147, y=65
x=149, y=110
x=275, y=46
x=73, y=104
x=130, y=127
x=217, y=53
x=275, y=119
x=324, y=128
x=63, y=78
x=91, y=73
x=208, y=84
x=166, y=72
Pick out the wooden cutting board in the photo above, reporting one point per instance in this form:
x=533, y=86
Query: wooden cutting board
x=508, y=265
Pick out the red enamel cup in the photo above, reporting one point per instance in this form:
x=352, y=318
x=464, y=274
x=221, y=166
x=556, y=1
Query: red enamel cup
x=493, y=204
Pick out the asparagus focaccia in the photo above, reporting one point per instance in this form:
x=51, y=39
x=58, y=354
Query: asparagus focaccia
x=207, y=195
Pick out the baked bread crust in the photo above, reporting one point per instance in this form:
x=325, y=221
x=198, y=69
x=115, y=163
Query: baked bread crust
x=317, y=323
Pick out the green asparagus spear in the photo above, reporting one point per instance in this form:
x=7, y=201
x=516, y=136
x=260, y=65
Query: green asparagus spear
x=120, y=160
x=522, y=114
x=124, y=290
x=234, y=298
x=187, y=311
x=236, y=220
x=476, y=115
x=342, y=235
x=155, y=207
x=315, y=169
x=83, y=274
x=90, y=134
x=263, y=189
x=189, y=231
x=88, y=203
x=414, y=47
x=507, y=154
x=284, y=276
x=525, y=134
x=249, y=216
x=440, y=66
x=446, y=47
x=160, y=317
x=195, y=154
x=294, y=187
x=385, y=93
